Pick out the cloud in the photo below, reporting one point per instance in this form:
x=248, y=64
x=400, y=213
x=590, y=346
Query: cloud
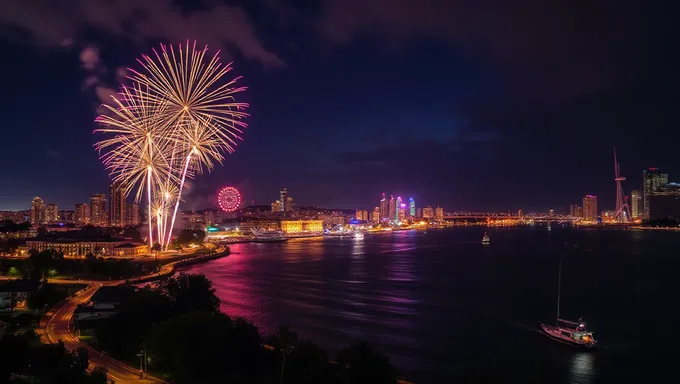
x=221, y=26
x=548, y=50
x=89, y=57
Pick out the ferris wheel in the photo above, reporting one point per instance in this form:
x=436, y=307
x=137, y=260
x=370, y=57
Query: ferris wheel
x=229, y=199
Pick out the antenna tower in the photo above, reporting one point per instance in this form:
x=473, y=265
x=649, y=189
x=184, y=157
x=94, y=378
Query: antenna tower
x=622, y=214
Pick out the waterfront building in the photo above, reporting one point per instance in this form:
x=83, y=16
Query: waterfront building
x=81, y=215
x=286, y=202
x=276, y=206
x=411, y=207
x=75, y=248
x=361, y=214
x=375, y=215
x=98, y=210
x=428, y=212
x=575, y=210
x=51, y=213
x=398, y=205
x=636, y=204
x=37, y=211
x=665, y=202
x=652, y=180
x=419, y=212
x=384, y=207
x=295, y=227
x=590, y=208
x=392, y=211
x=439, y=214
x=117, y=206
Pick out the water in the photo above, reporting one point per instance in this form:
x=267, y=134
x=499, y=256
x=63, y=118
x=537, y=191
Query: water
x=444, y=307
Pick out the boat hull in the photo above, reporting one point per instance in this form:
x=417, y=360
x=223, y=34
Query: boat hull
x=553, y=333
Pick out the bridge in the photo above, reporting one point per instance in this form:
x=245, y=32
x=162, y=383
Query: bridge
x=535, y=219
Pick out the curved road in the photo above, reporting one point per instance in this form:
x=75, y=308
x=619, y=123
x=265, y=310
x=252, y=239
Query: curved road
x=55, y=326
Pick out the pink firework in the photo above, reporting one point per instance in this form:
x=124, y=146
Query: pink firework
x=229, y=199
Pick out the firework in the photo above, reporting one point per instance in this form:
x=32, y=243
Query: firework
x=229, y=199
x=177, y=119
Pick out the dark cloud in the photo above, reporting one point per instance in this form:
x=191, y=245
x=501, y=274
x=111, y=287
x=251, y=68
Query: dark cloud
x=58, y=23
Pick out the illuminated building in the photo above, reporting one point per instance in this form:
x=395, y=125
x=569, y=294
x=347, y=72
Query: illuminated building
x=132, y=216
x=590, y=208
x=375, y=215
x=652, y=180
x=66, y=216
x=575, y=210
x=665, y=202
x=284, y=200
x=51, y=213
x=551, y=213
x=81, y=215
x=439, y=214
x=37, y=211
x=98, y=209
x=428, y=212
x=392, y=211
x=361, y=214
x=519, y=213
x=401, y=215
x=384, y=207
x=399, y=204
x=411, y=207
x=116, y=206
x=276, y=206
x=301, y=226
x=419, y=212
x=74, y=248
x=636, y=204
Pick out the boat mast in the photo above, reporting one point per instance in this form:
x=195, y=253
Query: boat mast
x=559, y=286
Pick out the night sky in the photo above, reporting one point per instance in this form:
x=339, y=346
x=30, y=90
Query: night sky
x=480, y=105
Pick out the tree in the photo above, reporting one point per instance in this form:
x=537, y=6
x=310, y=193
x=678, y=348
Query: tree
x=308, y=364
x=285, y=340
x=205, y=348
x=40, y=262
x=156, y=248
x=362, y=364
x=190, y=293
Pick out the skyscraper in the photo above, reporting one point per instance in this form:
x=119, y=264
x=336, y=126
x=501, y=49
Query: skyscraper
x=428, y=212
x=652, y=180
x=284, y=200
x=412, y=207
x=116, y=206
x=590, y=208
x=392, y=208
x=37, y=211
x=81, y=215
x=132, y=214
x=439, y=214
x=575, y=210
x=384, y=207
x=51, y=213
x=375, y=215
x=636, y=204
x=399, y=203
x=98, y=209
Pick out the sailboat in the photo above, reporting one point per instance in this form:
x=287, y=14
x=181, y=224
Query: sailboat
x=569, y=332
x=485, y=239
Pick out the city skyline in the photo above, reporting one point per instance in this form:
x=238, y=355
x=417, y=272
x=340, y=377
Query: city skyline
x=476, y=120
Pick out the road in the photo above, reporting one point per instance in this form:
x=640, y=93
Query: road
x=56, y=326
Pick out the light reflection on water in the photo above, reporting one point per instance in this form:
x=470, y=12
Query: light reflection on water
x=582, y=368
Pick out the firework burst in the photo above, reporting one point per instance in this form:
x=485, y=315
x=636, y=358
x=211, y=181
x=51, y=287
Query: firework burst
x=178, y=118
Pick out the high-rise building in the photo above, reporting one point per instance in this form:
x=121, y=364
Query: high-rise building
x=284, y=200
x=392, y=208
x=37, y=211
x=375, y=215
x=411, y=207
x=428, y=212
x=439, y=214
x=401, y=215
x=66, y=216
x=116, y=206
x=290, y=204
x=276, y=206
x=98, y=210
x=575, y=210
x=384, y=207
x=398, y=205
x=51, y=213
x=652, y=180
x=81, y=215
x=590, y=208
x=664, y=203
x=636, y=204
x=132, y=214
x=419, y=212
